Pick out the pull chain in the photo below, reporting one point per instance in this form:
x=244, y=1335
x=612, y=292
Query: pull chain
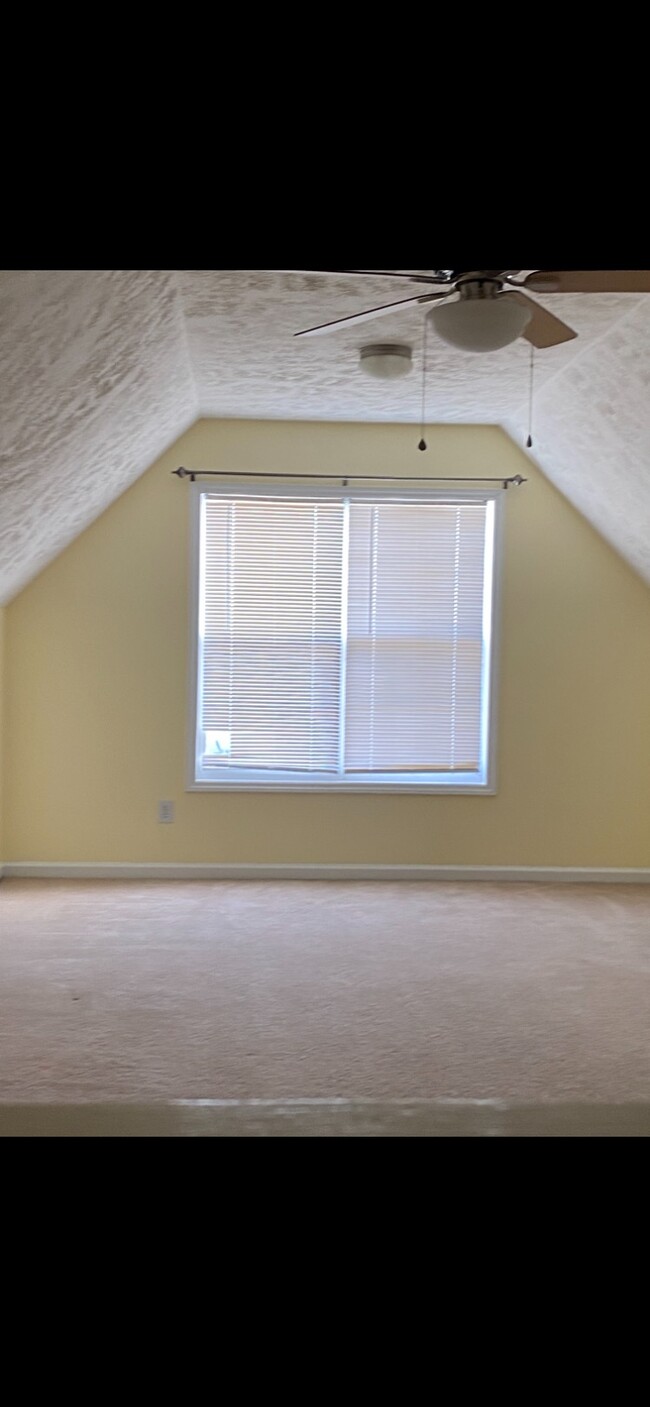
x=423, y=443
x=529, y=441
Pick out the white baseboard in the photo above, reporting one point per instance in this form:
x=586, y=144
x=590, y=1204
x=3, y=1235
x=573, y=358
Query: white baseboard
x=522, y=874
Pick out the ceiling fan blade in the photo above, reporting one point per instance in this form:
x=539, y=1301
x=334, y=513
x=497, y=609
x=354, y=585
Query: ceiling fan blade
x=371, y=313
x=588, y=281
x=544, y=329
x=366, y=273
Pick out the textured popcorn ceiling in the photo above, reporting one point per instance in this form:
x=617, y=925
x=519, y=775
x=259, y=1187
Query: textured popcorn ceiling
x=102, y=370
x=95, y=382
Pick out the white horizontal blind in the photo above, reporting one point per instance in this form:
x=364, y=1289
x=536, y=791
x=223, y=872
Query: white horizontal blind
x=270, y=628
x=344, y=638
x=415, y=637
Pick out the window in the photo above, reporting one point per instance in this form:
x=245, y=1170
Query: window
x=344, y=639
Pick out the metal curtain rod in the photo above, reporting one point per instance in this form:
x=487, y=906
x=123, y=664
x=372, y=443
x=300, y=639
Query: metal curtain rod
x=194, y=474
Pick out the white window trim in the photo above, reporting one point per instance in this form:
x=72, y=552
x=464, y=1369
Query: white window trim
x=259, y=781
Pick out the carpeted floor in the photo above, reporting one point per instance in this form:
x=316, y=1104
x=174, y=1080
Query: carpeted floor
x=162, y=991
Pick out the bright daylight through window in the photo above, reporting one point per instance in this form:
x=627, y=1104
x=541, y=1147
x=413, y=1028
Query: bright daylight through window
x=344, y=639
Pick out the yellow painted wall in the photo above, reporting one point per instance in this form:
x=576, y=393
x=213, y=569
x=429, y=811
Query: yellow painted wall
x=96, y=684
x=2, y=677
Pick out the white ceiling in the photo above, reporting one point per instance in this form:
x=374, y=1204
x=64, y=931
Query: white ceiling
x=101, y=370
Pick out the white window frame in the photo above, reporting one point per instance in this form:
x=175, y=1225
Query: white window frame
x=394, y=783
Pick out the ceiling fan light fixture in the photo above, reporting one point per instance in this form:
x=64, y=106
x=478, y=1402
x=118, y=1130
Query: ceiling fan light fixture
x=480, y=324
x=386, y=360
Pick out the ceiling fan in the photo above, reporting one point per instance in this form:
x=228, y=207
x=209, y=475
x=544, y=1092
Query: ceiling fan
x=482, y=310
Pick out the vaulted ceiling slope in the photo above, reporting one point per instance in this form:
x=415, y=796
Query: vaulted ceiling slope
x=100, y=371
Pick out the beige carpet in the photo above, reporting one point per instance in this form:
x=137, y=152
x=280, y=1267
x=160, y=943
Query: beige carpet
x=157, y=991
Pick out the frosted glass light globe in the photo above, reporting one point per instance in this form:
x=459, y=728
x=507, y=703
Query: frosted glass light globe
x=480, y=324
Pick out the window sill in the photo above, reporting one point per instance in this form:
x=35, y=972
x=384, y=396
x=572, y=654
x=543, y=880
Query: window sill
x=347, y=789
